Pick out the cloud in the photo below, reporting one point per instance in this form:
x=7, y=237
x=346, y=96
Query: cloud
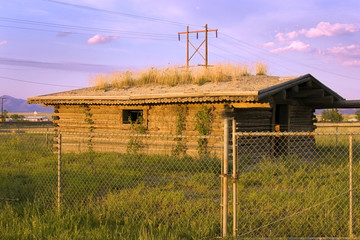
x=354, y=63
x=99, y=39
x=345, y=51
x=286, y=36
x=38, y=12
x=348, y=55
x=322, y=29
x=3, y=43
x=327, y=29
x=268, y=44
x=294, y=46
x=63, y=34
x=64, y=66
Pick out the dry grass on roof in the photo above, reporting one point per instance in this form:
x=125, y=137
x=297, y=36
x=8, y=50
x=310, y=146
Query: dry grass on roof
x=173, y=76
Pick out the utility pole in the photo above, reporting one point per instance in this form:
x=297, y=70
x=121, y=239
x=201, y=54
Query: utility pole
x=197, y=48
x=2, y=106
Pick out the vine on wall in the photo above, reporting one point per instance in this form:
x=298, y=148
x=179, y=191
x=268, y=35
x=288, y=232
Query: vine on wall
x=88, y=119
x=180, y=148
x=203, y=122
x=135, y=142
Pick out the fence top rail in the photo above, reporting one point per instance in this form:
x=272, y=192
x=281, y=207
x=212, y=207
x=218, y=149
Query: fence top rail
x=294, y=133
x=13, y=131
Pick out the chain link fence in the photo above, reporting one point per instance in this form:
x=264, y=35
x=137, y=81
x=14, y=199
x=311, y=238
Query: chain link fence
x=298, y=185
x=143, y=184
x=286, y=185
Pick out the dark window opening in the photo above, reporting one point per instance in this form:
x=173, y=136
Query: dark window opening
x=281, y=116
x=130, y=116
x=281, y=124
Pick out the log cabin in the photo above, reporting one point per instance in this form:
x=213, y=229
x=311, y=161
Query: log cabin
x=257, y=103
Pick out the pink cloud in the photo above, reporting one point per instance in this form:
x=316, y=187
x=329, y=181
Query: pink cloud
x=329, y=30
x=322, y=29
x=3, y=43
x=286, y=36
x=345, y=51
x=355, y=63
x=348, y=55
x=268, y=44
x=294, y=46
x=63, y=34
x=97, y=39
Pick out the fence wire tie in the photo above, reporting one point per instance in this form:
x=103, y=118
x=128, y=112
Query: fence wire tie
x=234, y=178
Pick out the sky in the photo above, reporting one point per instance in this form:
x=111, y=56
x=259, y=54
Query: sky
x=49, y=46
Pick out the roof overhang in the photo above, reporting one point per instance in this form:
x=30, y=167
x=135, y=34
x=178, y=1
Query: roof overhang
x=200, y=97
x=306, y=90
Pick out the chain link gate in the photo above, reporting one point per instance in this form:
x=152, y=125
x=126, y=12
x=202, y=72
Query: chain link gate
x=294, y=184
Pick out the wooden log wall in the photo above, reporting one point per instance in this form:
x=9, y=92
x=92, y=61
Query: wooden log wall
x=301, y=119
x=85, y=122
x=254, y=120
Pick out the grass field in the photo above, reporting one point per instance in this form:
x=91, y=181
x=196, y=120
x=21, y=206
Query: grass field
x=123, y=196
x=105, y=196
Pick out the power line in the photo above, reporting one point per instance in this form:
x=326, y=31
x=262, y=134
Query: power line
x=47, y=84
x=91, y=34
x=85, y=28
x=121, y=13
x=288, y=59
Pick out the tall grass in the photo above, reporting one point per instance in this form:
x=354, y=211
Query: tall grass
x=261, y=68
x=132, y=196
x=172, y=76
x=105, y=195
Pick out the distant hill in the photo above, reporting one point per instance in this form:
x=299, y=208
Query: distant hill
x=12, y=105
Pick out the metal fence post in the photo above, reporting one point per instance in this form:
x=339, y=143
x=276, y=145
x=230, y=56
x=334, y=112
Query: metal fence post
x=234, y=177
x=351, y=234
x=47, y=137
x=336, y=135
x=59, y=173
x=225, y=177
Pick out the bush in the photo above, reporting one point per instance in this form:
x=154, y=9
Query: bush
x=331, y=115
x=357, y=113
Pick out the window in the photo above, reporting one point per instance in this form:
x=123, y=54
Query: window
x=129, y=116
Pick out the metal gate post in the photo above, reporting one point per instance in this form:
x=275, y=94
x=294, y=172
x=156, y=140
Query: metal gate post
x=351, y=233
x=234, y=177
x=59, y=173
x=225, y=177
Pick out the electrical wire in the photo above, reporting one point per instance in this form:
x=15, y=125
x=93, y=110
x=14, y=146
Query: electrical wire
x=286, y=58
x=130, y=15
x=38, y=83
x=84, y=28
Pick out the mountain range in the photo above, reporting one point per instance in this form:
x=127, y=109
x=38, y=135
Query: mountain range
x=17, y=105
x=14, y=105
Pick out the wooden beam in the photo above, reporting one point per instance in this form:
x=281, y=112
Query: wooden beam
x=295, y=89
x=250, y=105
x=319, y=101
x=340, y=104
x=304, y=93
x=280, y=95
x=309, y=83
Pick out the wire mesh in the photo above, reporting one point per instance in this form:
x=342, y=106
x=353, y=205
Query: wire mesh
x=297, y=185
x=27, y=168
x=289, y=185
x=164, y=183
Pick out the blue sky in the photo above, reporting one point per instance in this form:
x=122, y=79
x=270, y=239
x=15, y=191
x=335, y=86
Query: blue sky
x=50, y=46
